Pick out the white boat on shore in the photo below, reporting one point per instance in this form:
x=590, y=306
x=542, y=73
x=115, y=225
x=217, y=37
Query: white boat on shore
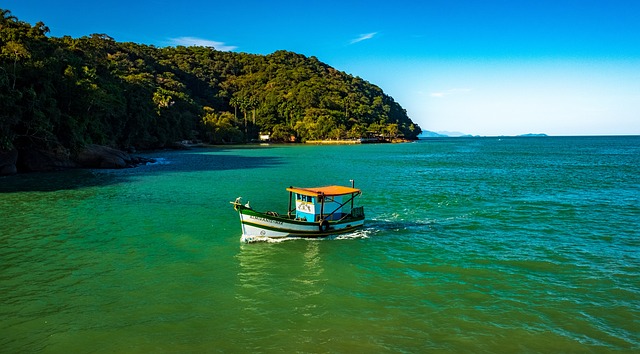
x=318, y=212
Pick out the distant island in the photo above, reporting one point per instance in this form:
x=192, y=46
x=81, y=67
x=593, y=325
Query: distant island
x=60, y=95
x=531, y=135
x=443, y=134
x=430, y=134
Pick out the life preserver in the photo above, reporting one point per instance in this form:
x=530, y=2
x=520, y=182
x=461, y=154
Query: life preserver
x=324, y=226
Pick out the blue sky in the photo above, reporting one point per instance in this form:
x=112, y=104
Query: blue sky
x=490, y=67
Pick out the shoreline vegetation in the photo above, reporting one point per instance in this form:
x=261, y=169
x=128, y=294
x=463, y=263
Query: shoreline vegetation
x=61, y=95
x=358, y=141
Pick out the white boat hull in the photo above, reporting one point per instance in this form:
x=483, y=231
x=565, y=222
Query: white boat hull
x=256, y=224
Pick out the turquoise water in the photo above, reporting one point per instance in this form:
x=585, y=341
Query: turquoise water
x=471, y=245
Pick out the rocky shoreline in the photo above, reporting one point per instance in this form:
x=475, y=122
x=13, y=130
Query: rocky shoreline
x=91, y=156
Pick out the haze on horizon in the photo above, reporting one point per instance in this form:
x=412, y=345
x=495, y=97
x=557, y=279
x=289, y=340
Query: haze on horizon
x=496, y=67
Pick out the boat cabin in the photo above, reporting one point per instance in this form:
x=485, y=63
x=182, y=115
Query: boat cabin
x=322, y=203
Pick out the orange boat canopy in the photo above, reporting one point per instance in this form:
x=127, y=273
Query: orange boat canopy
x=328, y=191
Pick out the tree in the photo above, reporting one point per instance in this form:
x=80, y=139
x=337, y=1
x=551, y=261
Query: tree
x=282, y=133
x=220, y=126
x=235, y=103
x=391, y=130
x=16, y=51
x=6, y=16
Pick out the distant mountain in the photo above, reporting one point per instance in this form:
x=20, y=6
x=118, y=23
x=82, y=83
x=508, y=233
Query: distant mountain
x=453, y=134
x=429, y=134
x=441, y=134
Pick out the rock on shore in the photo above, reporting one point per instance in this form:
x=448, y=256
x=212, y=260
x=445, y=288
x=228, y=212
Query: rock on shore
x=33, y=160
x=98, y=156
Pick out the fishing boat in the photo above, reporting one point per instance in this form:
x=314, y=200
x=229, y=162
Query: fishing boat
x=313, y=212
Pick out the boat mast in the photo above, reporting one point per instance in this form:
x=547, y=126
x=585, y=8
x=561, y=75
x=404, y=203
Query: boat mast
x=353, y=185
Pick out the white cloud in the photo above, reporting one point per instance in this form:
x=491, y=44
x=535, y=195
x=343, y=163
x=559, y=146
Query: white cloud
x=200, y=42
x=449, y=92
x=364, y=37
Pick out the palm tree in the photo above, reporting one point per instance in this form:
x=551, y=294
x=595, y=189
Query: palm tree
x=6, y=16
x=235, y=102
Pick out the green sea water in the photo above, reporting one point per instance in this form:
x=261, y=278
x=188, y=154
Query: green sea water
x=497, y=245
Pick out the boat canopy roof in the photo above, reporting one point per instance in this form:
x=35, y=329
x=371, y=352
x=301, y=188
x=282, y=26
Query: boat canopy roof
x=327, y=191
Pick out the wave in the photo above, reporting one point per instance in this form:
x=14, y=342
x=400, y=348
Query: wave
x=358, y=234
x=159, y=161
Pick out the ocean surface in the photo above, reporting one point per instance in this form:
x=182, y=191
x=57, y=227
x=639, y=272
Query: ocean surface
x=484, y=245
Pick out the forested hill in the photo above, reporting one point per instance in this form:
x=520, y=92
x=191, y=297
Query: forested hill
x=69, y=92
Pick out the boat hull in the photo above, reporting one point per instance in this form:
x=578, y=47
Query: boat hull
x=257, y=224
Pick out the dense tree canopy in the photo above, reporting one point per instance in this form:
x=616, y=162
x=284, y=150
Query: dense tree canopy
x=70, y=92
